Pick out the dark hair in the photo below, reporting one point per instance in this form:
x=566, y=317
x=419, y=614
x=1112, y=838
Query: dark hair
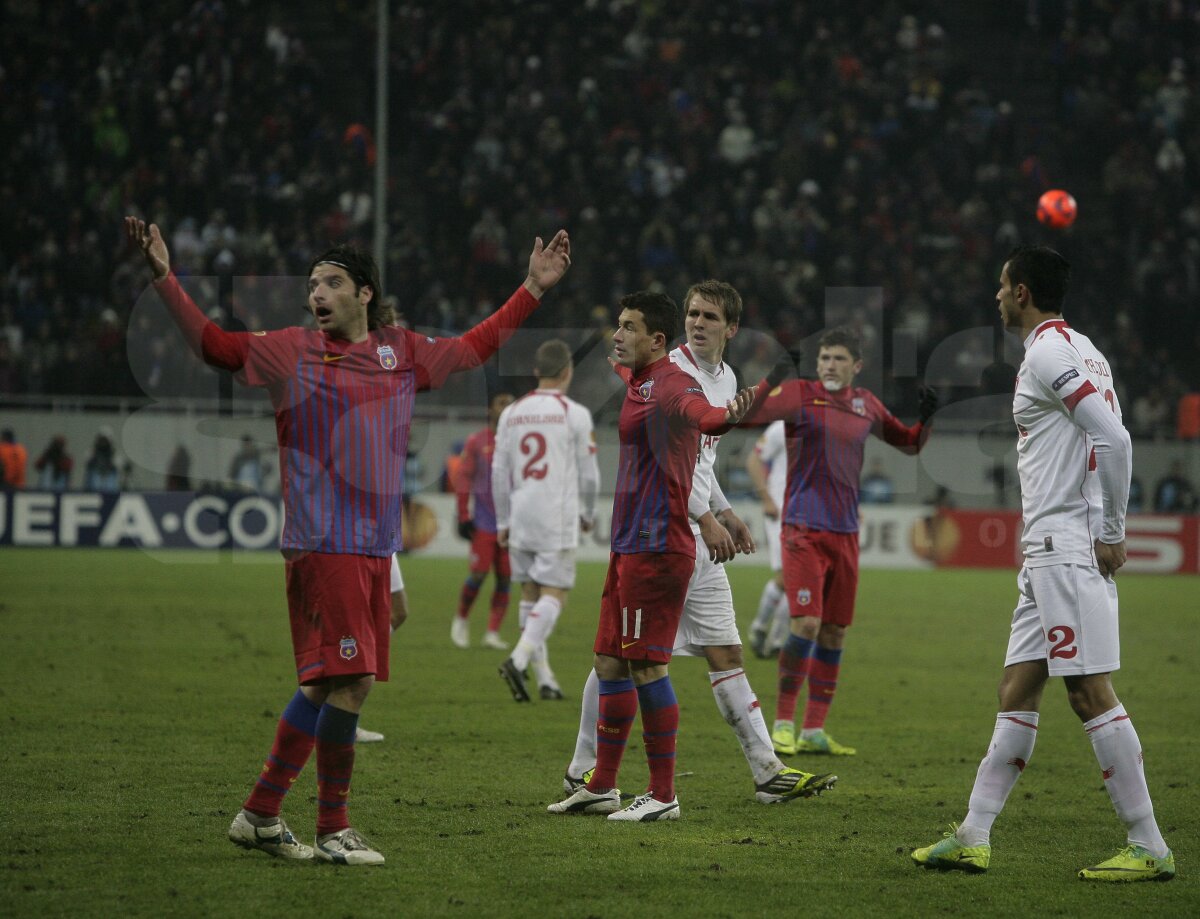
x=1044, y=272
x=552, y=358
x=720, y=293
x=360, y=265
x=844, y=337
x=659, y=312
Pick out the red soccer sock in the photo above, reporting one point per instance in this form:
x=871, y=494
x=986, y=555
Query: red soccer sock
x=335, y=764
x=793, y=668
x=499, y=608
x=294, y=740
x=618, y=706
x=660, y=725
x=822, y=684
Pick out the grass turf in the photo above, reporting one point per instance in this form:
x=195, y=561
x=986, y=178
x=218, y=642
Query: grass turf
x=141, y=693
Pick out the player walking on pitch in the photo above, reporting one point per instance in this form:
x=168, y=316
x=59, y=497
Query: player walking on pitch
x=544, y=484
x=343, y=397
x=708, y=626
x=1074, y=460
x=652, y=560
x=827, y=424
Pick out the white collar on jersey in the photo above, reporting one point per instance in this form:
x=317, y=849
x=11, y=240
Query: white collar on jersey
x=704, y=365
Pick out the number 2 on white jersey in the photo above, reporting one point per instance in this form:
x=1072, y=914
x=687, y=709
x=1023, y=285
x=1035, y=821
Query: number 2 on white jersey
x=534, y=443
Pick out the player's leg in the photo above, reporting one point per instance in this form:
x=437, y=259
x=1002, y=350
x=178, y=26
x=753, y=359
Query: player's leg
x=479, y=562
x=540, y=622
x=804, y=572
x=501, y=590
x=1079, y=615
x=583, y=760
x=967, y=847
x=772, y=596
x=781, y=623
x=837, y=612
x=399, y=613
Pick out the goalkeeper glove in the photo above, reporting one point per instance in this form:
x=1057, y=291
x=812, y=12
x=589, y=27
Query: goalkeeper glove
x=466, y=529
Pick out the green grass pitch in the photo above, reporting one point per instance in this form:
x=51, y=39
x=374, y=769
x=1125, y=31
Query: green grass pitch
x=140, y=695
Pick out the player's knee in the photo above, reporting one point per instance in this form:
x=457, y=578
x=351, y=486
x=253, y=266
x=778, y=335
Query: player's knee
x=723, y=657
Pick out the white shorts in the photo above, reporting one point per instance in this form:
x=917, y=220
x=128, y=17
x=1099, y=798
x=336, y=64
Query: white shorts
x=1066, y=615
x=708, y=619
x=397, y=580
x=548, y=568
x=774, y=541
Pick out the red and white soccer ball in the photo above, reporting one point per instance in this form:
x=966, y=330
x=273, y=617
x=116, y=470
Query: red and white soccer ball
x=1056, y=209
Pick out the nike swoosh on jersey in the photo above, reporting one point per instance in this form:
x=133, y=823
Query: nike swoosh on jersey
x=628, y=644
x=330, y=358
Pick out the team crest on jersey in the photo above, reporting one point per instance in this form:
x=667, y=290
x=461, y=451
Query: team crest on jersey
x=804, y=596
x=348, y=648
x=859, y=405
x=644, y=390
x=387, y=357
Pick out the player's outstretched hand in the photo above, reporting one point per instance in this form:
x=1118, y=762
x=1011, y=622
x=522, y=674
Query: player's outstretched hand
x=1109, y=557
x=739, y=532
x=466, y=529
x=736, y=408
x=928, y=403
x=150, y=241
x=548, y=263
x=721, y=547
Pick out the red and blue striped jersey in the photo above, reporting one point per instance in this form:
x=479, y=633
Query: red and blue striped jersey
x=825, y=433
x=342, y=413
x=474, y=485
x=664, y=412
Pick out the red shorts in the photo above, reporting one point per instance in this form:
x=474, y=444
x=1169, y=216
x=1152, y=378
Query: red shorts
x=486, y=552
x=340, y=607
x=641, y=605
x=820, y=573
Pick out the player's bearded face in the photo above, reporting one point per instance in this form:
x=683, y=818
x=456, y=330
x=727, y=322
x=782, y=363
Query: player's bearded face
x=837, y=367
x=337, y=303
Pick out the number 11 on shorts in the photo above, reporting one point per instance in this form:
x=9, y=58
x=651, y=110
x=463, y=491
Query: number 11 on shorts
x=637, y=624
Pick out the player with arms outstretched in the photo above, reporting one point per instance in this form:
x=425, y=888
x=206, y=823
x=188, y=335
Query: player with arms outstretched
x=544, y=484
x=343, y=397
x=827, y=421
x=653, y=558
x=1074, y=460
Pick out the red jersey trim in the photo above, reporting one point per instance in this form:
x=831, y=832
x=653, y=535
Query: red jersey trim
x=1074, y=399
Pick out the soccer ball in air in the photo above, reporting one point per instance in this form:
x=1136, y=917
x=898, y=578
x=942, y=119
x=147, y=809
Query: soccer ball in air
x=1056, y=208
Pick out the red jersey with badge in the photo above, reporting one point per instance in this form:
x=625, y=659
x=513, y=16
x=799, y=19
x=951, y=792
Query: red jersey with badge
x=342, y=413
x=475, y=481
x=825, y=433
x=664, y=412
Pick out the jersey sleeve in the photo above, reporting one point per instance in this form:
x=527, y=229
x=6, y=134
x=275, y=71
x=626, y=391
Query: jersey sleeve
x=685, y=398
x=466, y=475
x=270, y=356
x=773, y=404
x=501, y=474
x=1114, y=462
x=891, y=430
x=587, y=469
x=1059, y=368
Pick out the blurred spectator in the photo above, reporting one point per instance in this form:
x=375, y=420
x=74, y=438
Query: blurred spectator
x=13, y=460
x=1174, y=494
x=54, y=466
x=246, y=470
x=101, y=472
x=1152, y=415
x=179, y=469
x=876, y=487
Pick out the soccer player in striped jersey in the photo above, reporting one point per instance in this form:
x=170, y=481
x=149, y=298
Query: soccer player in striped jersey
x=653, y=557
x=343, y=397
x=477, y=523
x=544, y=482
x=1074, y=460
x=708, y=625
x=827, y=421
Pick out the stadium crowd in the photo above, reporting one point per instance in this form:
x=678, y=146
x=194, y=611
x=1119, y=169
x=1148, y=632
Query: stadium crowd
x=782, y=147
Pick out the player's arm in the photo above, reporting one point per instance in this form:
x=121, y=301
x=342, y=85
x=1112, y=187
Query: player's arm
x=208, y=340
x=906, y=438
x=587, y=470
x=462, y=489
x=501, y=479
x=723, y=510
x=437, y=358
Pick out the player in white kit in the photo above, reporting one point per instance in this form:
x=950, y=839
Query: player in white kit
x=544, y=485
x=708, y=627
x=766, y=465
x=1074, y=459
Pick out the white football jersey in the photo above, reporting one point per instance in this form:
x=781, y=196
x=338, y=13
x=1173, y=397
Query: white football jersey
x=543, y=470
x=719, y=385
x=771, y=449
x=1061, y=498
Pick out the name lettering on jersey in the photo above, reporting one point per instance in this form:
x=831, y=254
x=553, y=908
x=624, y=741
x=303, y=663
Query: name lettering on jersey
x=645, y=389
x=1067, y=376
x=1097, y=367
x=709, y=440
x=387, y=357
x=515, y=420
x=859, y=405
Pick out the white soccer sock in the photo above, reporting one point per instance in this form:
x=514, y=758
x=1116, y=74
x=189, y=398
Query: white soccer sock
x=1119, y=753
x=541, y=667
x=523, y=609
x=782, y=627
x=740, y=709
x=539, y=623
x=766, y=606
x=584, y=757
x=1010, y=749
